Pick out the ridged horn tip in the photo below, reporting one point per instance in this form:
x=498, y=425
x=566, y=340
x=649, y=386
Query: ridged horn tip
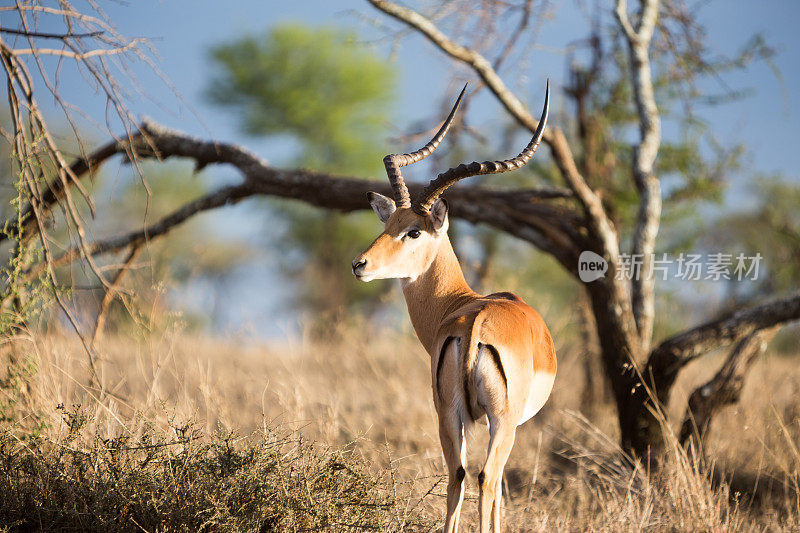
x=444, y=180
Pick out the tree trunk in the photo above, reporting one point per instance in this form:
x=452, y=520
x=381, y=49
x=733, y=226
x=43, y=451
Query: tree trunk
x=640, y=431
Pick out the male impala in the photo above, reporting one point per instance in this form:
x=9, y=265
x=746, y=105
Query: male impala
x=491, y=356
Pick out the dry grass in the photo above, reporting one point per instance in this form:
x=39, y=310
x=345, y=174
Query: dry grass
x=369, y=400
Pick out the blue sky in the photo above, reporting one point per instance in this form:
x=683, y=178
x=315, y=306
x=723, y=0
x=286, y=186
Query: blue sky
x=181, y=31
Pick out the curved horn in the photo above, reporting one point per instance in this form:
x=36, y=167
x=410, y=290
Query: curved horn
x=393, y=162
x=436, y=187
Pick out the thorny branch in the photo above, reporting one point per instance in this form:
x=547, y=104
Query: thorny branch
x=91, y=44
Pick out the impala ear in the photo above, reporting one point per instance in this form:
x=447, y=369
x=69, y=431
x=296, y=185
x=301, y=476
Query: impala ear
x=383, y=206
x=438, y=214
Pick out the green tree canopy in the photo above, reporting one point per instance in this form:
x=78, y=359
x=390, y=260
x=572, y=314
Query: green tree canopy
x=322, y=88
x=316, y=84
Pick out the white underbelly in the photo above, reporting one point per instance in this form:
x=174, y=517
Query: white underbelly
x=541, y=385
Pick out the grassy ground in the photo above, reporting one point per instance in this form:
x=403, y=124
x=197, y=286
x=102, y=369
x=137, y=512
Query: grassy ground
x=221, y=434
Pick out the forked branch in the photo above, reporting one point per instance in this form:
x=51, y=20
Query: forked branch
x=669, y=357
x=722, y=389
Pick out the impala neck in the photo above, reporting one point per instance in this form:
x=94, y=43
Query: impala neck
x=436, y=293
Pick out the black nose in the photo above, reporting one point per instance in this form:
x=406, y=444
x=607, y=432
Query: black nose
x=358, y=264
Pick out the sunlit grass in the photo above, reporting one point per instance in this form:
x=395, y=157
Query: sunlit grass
x=285, y=412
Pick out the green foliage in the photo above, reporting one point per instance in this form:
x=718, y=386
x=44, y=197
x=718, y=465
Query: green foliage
x=771, y=228
x=330, y=94
x=24, y=298
x=317, y=85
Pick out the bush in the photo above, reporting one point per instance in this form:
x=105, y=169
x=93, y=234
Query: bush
x=192, y=482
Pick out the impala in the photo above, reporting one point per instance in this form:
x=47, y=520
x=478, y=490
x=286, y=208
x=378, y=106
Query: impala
x=492, y=357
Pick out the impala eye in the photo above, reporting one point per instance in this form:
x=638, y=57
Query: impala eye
x=414, y=233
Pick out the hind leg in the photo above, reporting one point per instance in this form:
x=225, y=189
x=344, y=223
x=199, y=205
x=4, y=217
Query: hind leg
x=451, y=435
x=501, y=440
x=498, y=501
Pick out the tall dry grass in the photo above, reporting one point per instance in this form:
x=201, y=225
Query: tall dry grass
x=371, y=394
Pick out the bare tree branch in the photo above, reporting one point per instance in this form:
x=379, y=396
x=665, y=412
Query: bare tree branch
x=644, y=156
x=80, y=56
x=518, y=212
x=110, y=294
x=44, y=35
x=667, y=359
x=722, y=389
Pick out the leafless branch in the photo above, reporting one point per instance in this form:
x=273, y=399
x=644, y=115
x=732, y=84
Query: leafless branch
x=137, y=238
x=519, y=212
x=672, y=354
x=80, y=56
x=44, y=35
x=644, y=156
x=110, y=294
x=722, y=389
